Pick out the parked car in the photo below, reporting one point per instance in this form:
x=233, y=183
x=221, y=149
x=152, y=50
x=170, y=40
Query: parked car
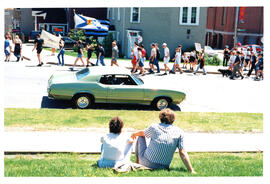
x=102, y=84
x=69, y=43
x=209, y=51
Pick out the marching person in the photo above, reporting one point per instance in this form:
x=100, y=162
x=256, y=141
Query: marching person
x=232, y=59
x=192, y=60
x=259, y=67
x=61, y=52
x=134, y=56
x=115, y=52
x=89, y=53
x=236, y=66
x=166, y=58
x=156, y=61
x=80, y=54
x=7, y=47
x=253, y=61
x=180, y=50
x=177, y=60
x=38, y=46
x=101, y=55
x=152, y=58
x=164, y=139
x=201, y=63
x=226, y=56
x=186, y=60
x=18, y=48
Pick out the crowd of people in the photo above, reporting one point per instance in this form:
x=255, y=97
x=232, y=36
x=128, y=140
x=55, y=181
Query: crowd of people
x=244, y=59
x=164, y=137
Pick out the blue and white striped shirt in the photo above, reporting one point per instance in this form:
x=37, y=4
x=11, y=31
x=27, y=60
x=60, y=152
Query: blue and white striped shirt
x=165, y=138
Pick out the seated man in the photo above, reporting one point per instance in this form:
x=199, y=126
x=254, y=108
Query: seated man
x=116, y=147
x=164, y=139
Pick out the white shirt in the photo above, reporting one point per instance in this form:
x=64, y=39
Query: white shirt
x=166, y=52
x=135, y=52
x=178, y=57
x=232, y=58
x=114, y=146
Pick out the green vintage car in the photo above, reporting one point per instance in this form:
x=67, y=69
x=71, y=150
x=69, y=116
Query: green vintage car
x=102, y=84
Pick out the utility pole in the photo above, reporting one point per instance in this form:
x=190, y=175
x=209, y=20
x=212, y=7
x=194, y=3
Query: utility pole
x=236, y=26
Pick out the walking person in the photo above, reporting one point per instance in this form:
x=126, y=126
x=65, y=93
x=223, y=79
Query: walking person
x=115, y=53
x=7, y=47
x=173, y=69
x=134, y=56
x=236, y=66
x=142, y=60
x=80, y=54
x=192, y=60
x=152, y=58
x=166, y=58
x=89, y=53
x=165, y=138
x=186, y=60
x=18, y=48
x=156, y=61
x=101, y=55
x=177, y=60
x=61, y=52
x=253, y=61
x=38, y=46
x=201, y=62
x=226, y=56
x=259, y=67
x=247, y=55
x=232, y=59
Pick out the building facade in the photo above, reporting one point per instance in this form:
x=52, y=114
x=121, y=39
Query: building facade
x=183, y=25
x=221, y=24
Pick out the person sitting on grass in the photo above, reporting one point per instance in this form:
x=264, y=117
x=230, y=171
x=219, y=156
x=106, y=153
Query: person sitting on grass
x=116, y=147
x=164, y=139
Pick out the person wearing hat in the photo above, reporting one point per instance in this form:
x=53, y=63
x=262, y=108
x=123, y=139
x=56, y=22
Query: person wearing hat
x=236, y=66
x=166, y=58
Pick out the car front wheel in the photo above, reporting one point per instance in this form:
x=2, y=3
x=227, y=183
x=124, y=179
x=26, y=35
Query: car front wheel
x=83, y=101
x=161, y=103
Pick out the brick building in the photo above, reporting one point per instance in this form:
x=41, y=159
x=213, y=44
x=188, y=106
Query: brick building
x=220, y=26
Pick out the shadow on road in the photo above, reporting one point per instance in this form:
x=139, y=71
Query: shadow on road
x=66, y=104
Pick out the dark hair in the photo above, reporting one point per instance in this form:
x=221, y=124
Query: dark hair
x=179, y=45
x=99, y=44
x=167, y=116
x=142, y=46
x=79, y=42
x=116, y=125
x=136, y=43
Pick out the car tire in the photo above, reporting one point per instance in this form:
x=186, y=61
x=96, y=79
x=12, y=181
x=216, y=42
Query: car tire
x=161, y=103
x=83, y=101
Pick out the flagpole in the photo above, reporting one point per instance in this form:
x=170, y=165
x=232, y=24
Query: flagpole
x=236, y=26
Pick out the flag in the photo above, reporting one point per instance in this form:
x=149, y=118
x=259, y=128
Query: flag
x=50, y=40
x=242, y=14
x=91, y=26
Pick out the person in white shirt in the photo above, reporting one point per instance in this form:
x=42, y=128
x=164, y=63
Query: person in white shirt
x=177, y=60
x=152, y=58
x=116, y=147
x=166, y=58
x=232, y=59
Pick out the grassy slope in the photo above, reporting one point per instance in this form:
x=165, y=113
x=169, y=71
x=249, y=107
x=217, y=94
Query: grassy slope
x=205, y=164
x=54, y=119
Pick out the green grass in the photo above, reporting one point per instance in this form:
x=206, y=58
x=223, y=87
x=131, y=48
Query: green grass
x=55, y=119
x=84, y=165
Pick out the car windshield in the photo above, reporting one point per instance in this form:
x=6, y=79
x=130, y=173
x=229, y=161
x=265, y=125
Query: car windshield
x=137, y=80
x=82, y=73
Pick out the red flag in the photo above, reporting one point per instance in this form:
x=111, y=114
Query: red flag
x=242, y=14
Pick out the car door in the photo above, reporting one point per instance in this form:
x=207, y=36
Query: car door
x=124, y=90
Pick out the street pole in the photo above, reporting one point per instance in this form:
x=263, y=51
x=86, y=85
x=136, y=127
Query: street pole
x=235, y=26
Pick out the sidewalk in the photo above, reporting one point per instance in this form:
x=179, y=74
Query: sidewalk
x=48, y=59
x=89, y=142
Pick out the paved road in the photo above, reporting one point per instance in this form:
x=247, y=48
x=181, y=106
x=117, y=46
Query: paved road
x=26, y=87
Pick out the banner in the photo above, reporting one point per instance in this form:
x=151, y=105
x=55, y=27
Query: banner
x=198, y=47
x=50, y=40
x=92, y=26
x=241, y=14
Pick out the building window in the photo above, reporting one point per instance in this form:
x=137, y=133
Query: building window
x=135, y=15
x=118, y=14
x=189, y=16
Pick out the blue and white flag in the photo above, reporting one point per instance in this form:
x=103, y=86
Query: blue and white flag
x=92, y=26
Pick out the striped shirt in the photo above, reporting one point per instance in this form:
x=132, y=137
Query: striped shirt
x=164, y=139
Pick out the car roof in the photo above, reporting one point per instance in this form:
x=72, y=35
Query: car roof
x=106, y=70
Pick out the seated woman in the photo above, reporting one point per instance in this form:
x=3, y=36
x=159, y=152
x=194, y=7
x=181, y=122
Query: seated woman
x=116, y=147
x=164, y=139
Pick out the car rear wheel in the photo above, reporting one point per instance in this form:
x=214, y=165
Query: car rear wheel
x=161, y=103
x=83, y=101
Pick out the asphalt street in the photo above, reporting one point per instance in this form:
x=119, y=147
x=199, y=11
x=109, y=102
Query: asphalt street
x=25, y=86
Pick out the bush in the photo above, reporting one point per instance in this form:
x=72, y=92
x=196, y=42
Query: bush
x=107, y=45
x=77, y=34
x=212, y=60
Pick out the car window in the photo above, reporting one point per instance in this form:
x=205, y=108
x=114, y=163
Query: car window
x=138, y=80
x=82, y=73
x=117, y=80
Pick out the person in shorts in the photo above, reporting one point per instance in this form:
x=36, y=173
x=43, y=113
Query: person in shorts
x=115, y=52
x=7, y=47
x=152, y=58
x=80, y=54
x=192, y=59
x=38, y=46
x=177, y=60
x=89, y=53
x=166, y=58
x=101, y=55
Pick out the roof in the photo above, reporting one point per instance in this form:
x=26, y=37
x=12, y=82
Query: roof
x=102, y=70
